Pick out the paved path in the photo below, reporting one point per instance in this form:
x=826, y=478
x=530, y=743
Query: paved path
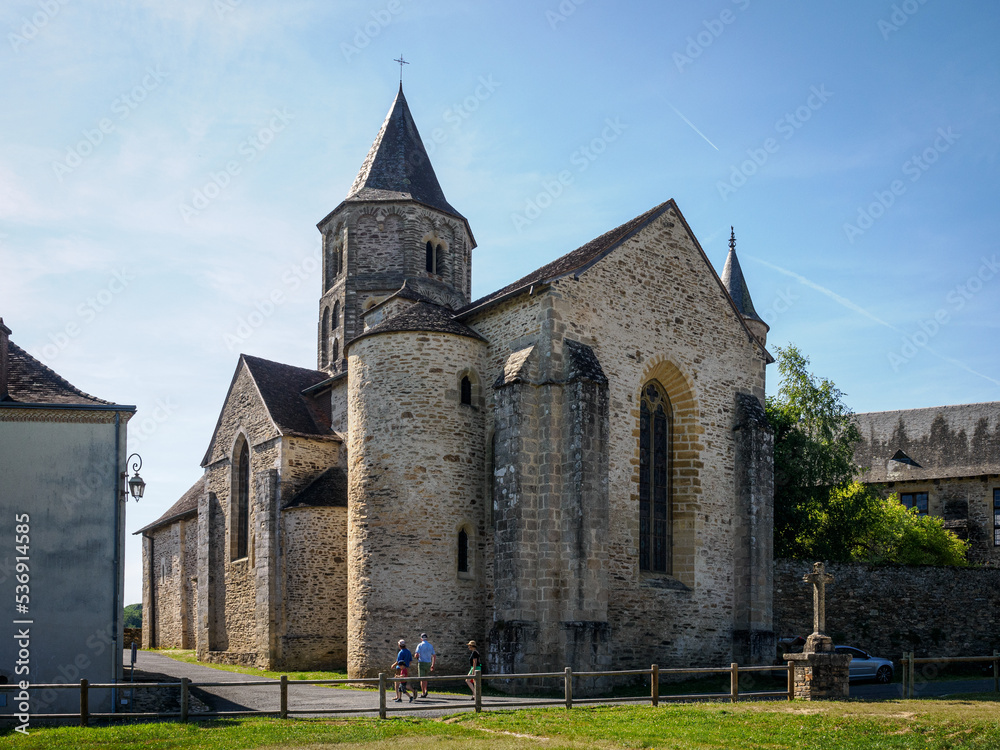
x=318, y=698
x=300, y=697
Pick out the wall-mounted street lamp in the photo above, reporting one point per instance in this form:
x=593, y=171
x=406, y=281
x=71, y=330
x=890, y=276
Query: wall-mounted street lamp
x=133, y=486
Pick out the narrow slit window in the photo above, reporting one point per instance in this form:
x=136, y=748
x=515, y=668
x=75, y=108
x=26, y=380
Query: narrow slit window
x=466, y=390
x=655, y=521
x=243, y=504
x=430, y=257
x=463, y=551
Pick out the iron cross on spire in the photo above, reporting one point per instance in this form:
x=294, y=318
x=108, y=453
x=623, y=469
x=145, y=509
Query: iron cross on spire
x=819, y=578
x=732, y=239
x=401, y=62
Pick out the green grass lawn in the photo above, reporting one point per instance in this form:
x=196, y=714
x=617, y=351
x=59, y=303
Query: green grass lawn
x=972, y=723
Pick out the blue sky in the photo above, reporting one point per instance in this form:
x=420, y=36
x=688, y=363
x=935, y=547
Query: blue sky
x=163, y=166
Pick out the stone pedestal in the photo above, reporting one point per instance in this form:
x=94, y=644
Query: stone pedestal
x=821, y=675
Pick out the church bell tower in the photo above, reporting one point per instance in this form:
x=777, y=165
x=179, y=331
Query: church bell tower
x=395, y=226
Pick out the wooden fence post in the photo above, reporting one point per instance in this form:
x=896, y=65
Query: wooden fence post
x=84, y=703
x=734, y=682
x=910, y=678
x=283, y=706
x=381, y=695
x=654, y=688
x=184, y=698
x=568, y=687
x=479, y=690
x=791, y=680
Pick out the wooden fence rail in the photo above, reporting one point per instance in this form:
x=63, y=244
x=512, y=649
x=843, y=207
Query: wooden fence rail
x=909, y=672
x=386, y=683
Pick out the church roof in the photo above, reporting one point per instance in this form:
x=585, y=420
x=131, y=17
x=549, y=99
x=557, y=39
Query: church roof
x=328, y=490
x=736, y=285
x=397, y=166
x=281, y=389
x=576, y=260
x=186, y=506
x=31, y=382
x=422, y=316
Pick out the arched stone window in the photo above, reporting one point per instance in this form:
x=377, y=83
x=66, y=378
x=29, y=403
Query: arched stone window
x=324, y=339
x=335, y=351
x=466, y=390
x=655, y=521
x=434, y=252
x=239, y=529
x=335, y=321
x=463, y=552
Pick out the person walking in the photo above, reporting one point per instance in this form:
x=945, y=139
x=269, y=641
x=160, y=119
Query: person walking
x=402, y=664
x=426, y=659
x=474, y=665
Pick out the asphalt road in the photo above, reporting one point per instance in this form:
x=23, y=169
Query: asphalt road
x=317, y=698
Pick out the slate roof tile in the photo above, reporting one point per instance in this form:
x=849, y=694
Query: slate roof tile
x=31, y=382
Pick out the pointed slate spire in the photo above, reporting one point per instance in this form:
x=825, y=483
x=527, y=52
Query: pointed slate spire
x=397, y=166
x=736, y=285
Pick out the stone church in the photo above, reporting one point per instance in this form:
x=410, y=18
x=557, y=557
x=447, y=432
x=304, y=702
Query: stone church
x=574, y=470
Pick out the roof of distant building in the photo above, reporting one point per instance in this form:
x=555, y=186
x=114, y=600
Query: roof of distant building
x=31, y=382
x=939, y=442
x=186, y=506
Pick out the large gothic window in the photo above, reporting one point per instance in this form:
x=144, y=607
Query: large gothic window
x=241, y=512
x=655, y=428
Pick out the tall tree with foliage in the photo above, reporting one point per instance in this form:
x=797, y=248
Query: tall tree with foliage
x=814, y=439
x=820, y=511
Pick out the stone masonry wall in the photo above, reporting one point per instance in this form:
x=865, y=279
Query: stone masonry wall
x=315, y=589
x=888, y=610
x=653, y=309
x=172, y=575
x=415, y=479
x=228, y=619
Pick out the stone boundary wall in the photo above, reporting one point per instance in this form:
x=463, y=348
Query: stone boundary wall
x=890, y=609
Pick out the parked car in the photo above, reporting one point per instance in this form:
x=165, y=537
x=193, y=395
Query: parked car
x=864, y=666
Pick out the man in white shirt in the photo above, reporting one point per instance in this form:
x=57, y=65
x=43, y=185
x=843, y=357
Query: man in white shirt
x=426, y=659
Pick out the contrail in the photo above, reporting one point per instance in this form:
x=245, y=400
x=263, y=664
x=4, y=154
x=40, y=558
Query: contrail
x=691, y=125
x=858, y=309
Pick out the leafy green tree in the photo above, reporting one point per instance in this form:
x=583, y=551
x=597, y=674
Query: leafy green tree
x=814, y=439
x=820, y=511
x=133, y=616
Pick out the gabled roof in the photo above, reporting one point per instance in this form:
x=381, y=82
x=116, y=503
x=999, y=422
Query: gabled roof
x=31, y=382
x=328, y=490
x=397, y=166
x=281, y=391
x=736, y=285
x=186, y=506
x=577, y=260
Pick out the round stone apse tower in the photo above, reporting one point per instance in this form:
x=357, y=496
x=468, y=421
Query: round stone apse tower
x=397, y=265
x=417, y=490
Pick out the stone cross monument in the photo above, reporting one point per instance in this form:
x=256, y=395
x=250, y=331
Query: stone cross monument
x=818, y=641
x=818, y=672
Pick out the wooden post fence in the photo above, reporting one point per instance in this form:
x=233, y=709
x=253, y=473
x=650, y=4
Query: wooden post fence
x=84, y=703
x=654, y=689
x=734, y=682
x=568, y=687
x=185, y=692
x=283, y=707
